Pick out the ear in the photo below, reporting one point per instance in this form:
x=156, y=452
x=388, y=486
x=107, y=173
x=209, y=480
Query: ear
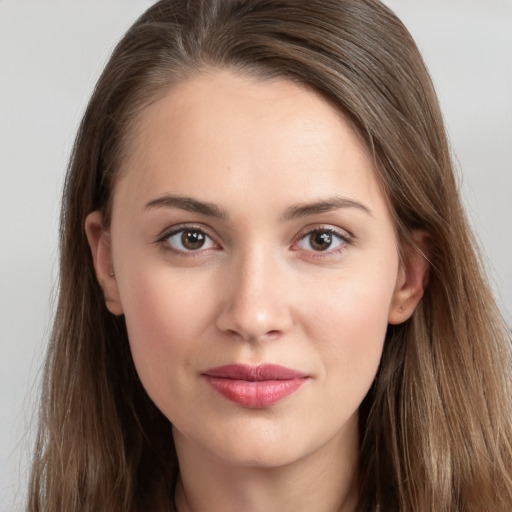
x=412, y=279
x=99, y=242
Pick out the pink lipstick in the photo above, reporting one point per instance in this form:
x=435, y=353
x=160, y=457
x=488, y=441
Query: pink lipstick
x=255, y=387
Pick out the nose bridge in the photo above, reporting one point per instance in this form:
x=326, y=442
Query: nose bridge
x=257, y=301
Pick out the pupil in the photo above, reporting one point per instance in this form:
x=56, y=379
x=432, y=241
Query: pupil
x=321, y=241
x=192, y=239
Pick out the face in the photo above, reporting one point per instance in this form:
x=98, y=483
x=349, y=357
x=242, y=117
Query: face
x=257, y=267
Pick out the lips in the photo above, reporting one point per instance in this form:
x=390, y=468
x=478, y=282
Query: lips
x=255, y=387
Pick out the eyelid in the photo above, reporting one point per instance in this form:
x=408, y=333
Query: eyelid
x=343, y=235
x=176, y=228
x=168, y=232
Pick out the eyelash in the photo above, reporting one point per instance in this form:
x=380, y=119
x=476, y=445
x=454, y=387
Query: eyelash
x=164, y=241
x=343, y=237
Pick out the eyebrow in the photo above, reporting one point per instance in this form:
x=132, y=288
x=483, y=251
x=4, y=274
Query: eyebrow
x=293, y=212
x=188, y=204
x=333, y=203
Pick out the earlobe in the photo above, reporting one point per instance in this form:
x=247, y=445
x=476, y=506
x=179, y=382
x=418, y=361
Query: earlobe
x=99, y=242
x=412, y=279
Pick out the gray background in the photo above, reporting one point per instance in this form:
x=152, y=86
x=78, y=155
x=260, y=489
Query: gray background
x=51, y=53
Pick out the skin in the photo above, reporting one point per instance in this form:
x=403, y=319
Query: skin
x=258, y=290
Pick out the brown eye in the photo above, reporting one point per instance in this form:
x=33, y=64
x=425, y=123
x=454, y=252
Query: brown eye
x=320, y=240
x=189, y=240
x=193, y=240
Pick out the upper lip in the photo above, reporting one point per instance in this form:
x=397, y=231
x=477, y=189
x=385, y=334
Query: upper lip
x=253, y=373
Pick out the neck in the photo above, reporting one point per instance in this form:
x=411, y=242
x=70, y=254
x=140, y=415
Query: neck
x=325, y=480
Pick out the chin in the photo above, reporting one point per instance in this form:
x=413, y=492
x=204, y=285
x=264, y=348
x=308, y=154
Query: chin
x=266, y=443
x=261, y=455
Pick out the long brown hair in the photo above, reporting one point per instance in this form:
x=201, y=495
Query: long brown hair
x=436, y=427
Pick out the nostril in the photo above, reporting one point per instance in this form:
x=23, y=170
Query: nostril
x=247, y=336
x=254, y=317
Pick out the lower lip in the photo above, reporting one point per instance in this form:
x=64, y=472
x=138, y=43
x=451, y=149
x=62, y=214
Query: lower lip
x=255, y=394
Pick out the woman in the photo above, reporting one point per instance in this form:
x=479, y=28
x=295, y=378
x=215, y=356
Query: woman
x=270, y=297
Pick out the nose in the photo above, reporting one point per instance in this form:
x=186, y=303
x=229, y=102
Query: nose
x=257, y=303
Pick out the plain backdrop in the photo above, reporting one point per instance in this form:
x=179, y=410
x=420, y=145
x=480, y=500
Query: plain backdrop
x=51, y=53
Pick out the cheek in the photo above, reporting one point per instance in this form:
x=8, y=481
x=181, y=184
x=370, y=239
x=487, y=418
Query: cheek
x=353, y=306
x=350, y=328
x=165, y=318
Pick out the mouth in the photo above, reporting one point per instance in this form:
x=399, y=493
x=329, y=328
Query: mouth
x=255, y=387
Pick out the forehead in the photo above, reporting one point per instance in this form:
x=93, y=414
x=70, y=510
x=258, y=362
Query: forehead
x=223, y=133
